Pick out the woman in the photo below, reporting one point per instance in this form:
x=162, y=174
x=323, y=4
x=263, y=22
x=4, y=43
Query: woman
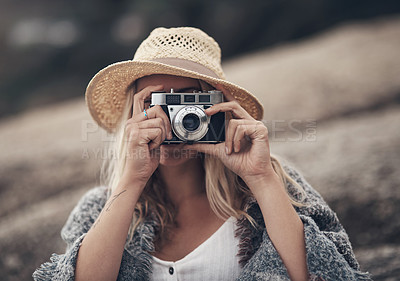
x=204, y=211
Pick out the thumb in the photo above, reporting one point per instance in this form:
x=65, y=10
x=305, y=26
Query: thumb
x=208, y=148
x=155, y=152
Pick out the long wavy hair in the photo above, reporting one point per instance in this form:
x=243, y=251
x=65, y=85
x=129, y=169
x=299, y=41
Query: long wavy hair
x=226, y=191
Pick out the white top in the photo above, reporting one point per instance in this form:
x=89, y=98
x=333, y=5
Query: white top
x=214, y=259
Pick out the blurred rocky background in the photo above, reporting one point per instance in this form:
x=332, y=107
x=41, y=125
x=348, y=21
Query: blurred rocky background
x=327, y=72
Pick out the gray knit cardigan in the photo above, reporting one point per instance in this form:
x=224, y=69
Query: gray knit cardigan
x=329, y=252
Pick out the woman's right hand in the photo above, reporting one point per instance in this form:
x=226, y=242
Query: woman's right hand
x=101, y=251
x=144, y=135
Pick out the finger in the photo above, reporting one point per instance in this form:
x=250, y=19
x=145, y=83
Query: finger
x=153, y=112
x=154, y=123
x=240, y=133
x=254, y=131
x=230, y=133
x=145, y=136
x=157, y=112
x=156, y=142
x=230, y=106
x=208, y=148
x=140, y=97
x=155, y=153
x=260, y=131
x=151, y=136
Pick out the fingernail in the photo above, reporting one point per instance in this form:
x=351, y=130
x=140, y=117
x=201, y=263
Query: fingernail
x=170, y=135
x=226, y=150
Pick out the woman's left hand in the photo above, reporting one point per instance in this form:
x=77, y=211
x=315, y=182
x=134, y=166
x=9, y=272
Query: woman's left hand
x=246, y=147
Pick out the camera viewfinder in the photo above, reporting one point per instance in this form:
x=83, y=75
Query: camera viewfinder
x=189, y=98
x=204, y=98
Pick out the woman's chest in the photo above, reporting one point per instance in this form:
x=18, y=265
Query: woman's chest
x=184, y=240
x=214, y=259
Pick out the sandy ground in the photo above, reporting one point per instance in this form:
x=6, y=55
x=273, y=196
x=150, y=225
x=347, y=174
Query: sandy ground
x=332, y=109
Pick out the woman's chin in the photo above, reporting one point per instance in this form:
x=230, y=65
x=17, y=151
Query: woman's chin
x=173, y=154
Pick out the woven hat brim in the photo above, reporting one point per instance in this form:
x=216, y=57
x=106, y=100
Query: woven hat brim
x=107, y=92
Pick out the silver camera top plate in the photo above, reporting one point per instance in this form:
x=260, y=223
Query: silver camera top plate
x=210, y=97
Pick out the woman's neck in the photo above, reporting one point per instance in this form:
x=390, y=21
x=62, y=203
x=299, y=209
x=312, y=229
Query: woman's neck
x=183, y=181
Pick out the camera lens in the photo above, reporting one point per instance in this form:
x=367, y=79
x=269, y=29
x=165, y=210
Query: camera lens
x=191, y=122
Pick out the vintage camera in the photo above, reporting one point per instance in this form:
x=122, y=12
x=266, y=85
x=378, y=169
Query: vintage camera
x=188, y=120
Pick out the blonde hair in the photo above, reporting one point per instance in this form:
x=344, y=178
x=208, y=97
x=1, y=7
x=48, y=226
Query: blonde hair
x=227, y=193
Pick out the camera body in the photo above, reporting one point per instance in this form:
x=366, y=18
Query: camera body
x=189, y=122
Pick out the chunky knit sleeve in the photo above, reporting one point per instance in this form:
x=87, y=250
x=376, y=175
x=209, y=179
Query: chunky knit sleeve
x=62, y=267
x=329, y=252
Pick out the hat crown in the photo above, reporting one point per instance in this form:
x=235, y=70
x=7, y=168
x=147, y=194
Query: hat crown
x=183, y=51
x=186, y=43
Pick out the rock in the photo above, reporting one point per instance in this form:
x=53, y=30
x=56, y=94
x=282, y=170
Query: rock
x=45, y=152
x=331, y=106
x=354, y=163
x=351, y=68
x=383, y=261
x=31, y=234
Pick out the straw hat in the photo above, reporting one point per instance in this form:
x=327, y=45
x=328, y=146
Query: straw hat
x=183, y=51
